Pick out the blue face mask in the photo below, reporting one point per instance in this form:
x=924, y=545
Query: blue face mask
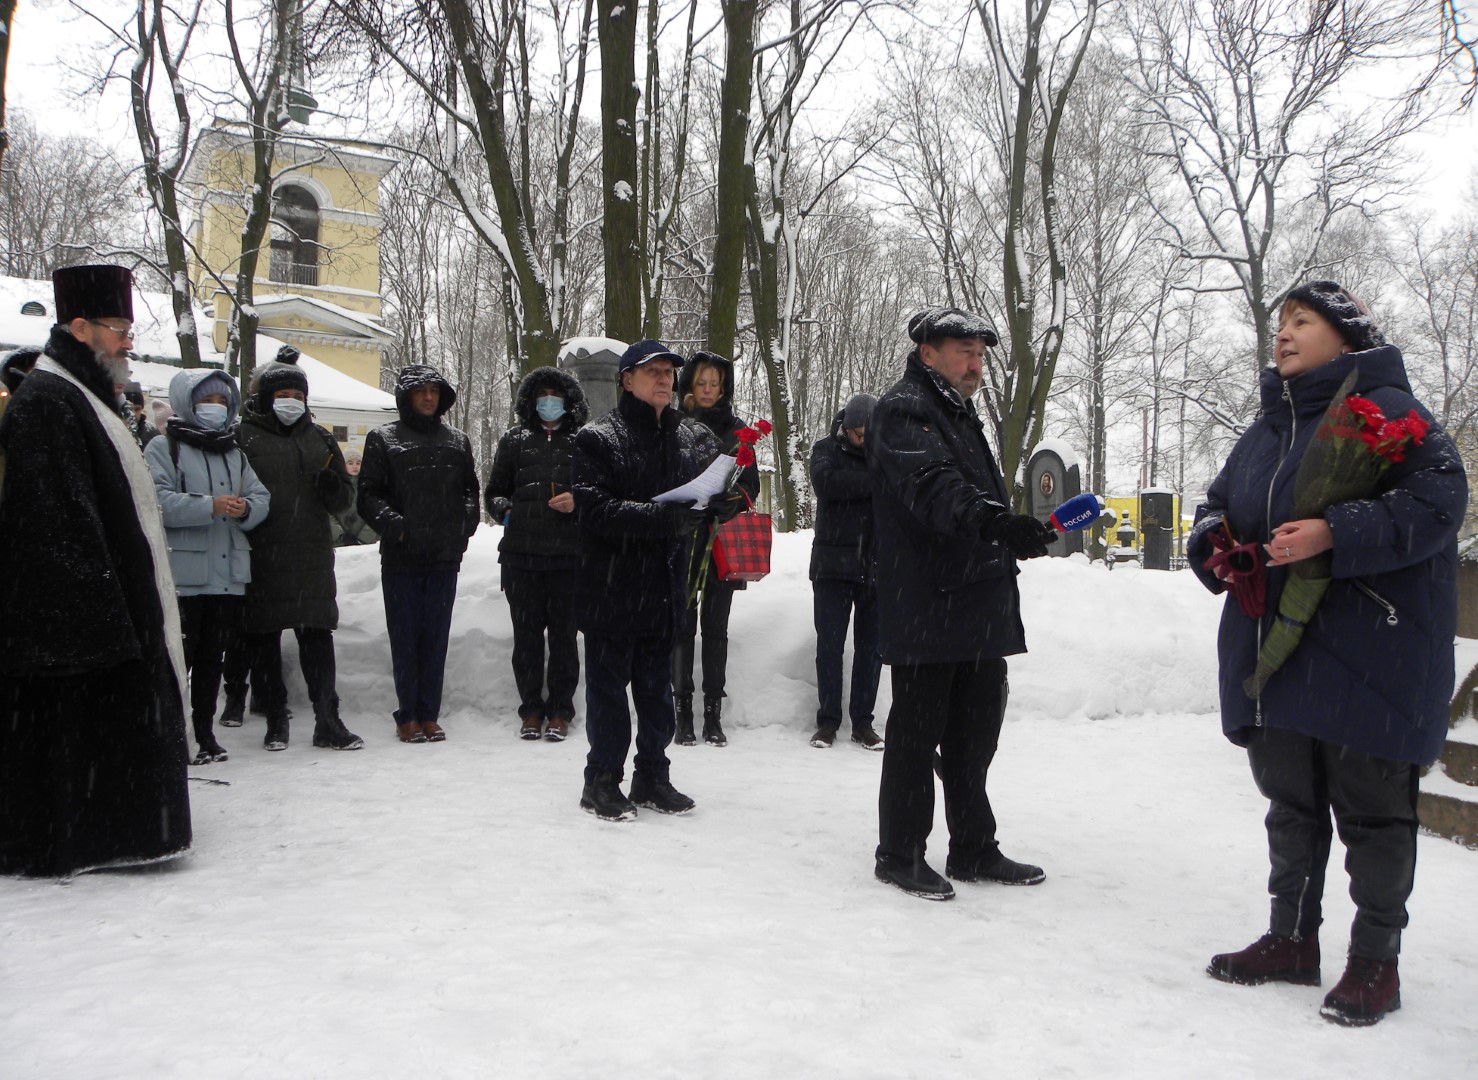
x=289, y=410
x=550, y=408
x=211, y=415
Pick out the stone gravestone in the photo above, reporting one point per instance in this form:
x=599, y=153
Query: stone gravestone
x=593, y=360
x=1053, y=476
x=1157, y=524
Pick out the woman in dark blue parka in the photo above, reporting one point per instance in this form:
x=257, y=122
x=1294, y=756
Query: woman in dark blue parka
x=1361, y=703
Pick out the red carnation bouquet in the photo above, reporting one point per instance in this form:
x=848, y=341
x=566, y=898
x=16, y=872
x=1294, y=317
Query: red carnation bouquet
x=1353, y=446
x=743, y=458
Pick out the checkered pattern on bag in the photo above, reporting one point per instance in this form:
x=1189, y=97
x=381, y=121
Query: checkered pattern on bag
x=741, y=547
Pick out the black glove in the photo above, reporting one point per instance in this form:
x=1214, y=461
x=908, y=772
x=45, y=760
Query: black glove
x=686, y=517
x=1021, y=534
x=326, y=484
x=727, y=508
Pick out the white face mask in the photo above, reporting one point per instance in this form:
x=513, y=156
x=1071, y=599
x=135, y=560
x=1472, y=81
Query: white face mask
x=289, y=410
x=212, y=415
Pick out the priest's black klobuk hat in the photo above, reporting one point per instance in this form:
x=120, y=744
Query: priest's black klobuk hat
x=98, y=291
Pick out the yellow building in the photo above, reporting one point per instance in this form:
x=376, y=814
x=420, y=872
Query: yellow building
x=318, y=287
x=1127, y=507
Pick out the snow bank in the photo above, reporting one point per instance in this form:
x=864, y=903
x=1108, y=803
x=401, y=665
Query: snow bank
x=447, y=911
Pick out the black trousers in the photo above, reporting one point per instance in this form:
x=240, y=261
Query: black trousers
x=418, y=618
x=835, y=604
x=611, y=665
x=543, y=602
x=315, y=654
x=713, y=616
x=207, y=622
x=236, y=666
x=1373, y=802
x=959, y=709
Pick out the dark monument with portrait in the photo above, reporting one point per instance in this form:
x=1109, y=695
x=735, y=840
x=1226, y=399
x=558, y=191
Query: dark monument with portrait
x=1053, y=476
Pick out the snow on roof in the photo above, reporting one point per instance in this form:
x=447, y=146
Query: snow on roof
x=159, y=349
x=153, y=323
x=358, y=318
x=1059, y=447
x=328, y=388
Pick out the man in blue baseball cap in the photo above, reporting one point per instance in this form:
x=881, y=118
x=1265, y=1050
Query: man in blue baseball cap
x=632, y=589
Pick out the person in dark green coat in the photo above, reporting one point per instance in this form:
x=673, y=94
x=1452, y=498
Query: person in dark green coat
x=292, y=559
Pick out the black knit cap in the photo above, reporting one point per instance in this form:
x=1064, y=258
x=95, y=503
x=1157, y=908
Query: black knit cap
x=282, y=373
x=15, y=366
x=858, y=411
x=96, y=291
x=934, y=323
x=1344, y=311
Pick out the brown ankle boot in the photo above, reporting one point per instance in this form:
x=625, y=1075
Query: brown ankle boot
x=1271, y=958
x=410, y=731
x=1365, y=992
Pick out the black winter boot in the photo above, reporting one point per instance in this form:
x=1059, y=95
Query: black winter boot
x=999, y=869
x=329, y=731
x=235, y=711
x=713, y=731
x=682, y=705
x=660, y=795
x=276, y=737
x=209, y=750
x=914, y=876
x=602, y=797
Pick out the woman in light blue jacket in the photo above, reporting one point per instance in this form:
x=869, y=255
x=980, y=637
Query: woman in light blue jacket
x=210, y=497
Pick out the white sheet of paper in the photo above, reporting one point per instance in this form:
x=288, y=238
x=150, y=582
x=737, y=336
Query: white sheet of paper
x=710, y=482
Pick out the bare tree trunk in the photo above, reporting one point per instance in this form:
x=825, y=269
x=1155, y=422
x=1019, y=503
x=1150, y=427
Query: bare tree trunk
x=1036, y=102
x=162, y=168
x=268, y=117
x=733, y=145
x=513, y=236
x=7, y=16
x=616, y=25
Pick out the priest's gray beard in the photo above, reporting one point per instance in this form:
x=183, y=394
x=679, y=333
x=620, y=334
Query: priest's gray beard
x=117, y=369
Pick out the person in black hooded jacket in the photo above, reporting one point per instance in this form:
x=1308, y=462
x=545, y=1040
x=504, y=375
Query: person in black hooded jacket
x=293, y=585
x=418, y=490
x=706, y=389
x=842, y=579
x=529, y=494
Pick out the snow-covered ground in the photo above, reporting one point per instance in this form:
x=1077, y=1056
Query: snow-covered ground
x=448, y=911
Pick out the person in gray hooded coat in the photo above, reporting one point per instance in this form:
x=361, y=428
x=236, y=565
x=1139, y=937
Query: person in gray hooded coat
x=209, y=497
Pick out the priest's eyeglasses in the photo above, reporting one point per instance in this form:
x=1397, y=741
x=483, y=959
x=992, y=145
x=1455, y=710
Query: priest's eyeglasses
x=125, y=332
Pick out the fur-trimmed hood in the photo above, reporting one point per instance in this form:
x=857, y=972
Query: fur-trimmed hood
x=577, y=412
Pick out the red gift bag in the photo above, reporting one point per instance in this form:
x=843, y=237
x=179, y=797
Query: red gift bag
x=741, y=546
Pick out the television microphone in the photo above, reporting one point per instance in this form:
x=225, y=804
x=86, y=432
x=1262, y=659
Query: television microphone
x=1077, y=513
